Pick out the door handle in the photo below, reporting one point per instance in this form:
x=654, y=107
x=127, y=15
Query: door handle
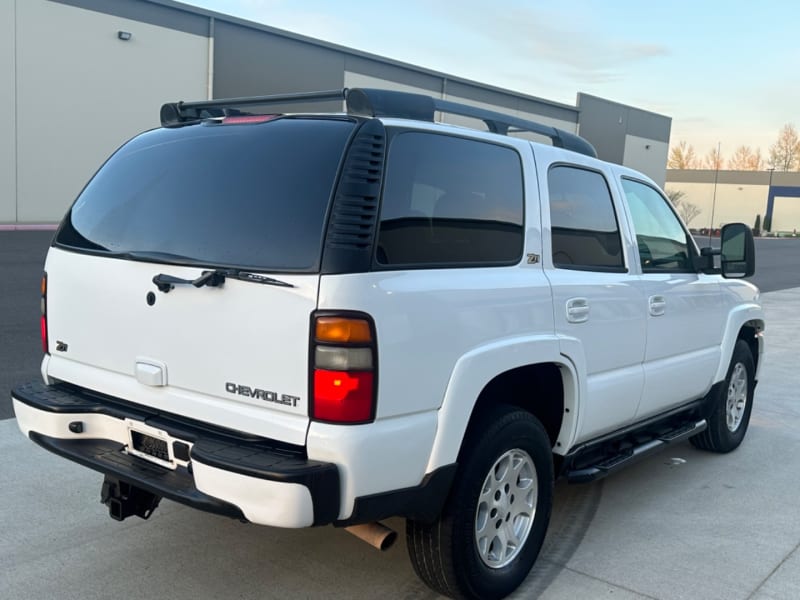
x=658, y=305
x=577, y=310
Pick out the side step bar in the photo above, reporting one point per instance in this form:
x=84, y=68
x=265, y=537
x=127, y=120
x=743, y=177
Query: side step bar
x=608, y=465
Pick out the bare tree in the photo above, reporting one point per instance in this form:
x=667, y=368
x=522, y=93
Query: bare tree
x=784, y=154
x=686, y=209
x=744, y=159
x=675, y=197
x=682, y=156
x=713, y=160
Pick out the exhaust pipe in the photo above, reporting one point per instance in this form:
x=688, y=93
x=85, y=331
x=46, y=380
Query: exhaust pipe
x=375, y=534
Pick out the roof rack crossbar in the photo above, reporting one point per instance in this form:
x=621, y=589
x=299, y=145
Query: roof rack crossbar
x=180, y=113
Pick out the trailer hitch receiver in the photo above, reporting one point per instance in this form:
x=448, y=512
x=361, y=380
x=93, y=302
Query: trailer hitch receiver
x=125, y=500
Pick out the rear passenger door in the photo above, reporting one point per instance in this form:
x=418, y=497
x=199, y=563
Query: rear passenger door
x=599, y=313
x=686, y=318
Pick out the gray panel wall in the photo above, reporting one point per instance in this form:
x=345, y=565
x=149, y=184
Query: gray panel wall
x=609, y=126
x=425, y=82
x=249, y=62
x=506, y=101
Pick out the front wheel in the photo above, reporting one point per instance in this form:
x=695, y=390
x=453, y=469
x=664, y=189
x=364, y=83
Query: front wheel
x=730, y=416
x=494, y=521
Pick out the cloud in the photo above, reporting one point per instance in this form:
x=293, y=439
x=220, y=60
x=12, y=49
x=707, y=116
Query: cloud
x=528, y=34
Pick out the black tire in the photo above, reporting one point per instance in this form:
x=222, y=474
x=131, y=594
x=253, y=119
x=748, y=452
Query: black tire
x=445, y=553
x=725, y=430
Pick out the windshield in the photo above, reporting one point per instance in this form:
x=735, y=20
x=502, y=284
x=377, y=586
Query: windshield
x=240, y=195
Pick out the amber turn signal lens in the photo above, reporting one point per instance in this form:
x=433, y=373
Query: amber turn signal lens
x=340, y=330
x=44, y=286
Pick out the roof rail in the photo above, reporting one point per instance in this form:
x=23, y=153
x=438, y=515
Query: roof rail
x=388, y=103
x=377, y=103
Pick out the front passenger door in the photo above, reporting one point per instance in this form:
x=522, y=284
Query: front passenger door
x=686, y=319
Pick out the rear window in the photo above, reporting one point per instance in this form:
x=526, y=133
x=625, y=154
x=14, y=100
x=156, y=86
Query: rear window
x=244, y=195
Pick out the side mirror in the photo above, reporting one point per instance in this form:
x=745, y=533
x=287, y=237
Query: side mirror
x=738, y=251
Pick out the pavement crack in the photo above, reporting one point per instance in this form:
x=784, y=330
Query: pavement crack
x=775, y=570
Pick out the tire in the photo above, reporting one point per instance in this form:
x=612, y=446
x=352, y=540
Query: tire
x=463, y=554
x=730, y=415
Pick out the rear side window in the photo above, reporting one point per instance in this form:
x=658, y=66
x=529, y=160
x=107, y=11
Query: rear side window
x=585, y=234
x=244, y=195
x=450, y=201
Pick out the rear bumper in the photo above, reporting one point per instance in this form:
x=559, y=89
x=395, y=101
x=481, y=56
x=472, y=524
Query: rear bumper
x=224, y=473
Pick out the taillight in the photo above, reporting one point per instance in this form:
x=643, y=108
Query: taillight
x=343, y=368
x=43, y=319
x=240, y=119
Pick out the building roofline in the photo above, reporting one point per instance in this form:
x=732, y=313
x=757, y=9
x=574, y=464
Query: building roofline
x=643, y=110
x=357, y=53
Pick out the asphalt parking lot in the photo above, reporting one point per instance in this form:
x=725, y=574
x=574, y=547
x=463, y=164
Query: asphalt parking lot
x=680, y=525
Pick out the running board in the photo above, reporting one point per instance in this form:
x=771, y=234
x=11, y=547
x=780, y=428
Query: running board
x=634, y=454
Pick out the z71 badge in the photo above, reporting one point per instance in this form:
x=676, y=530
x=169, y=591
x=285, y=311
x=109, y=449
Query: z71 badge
x=259, y=394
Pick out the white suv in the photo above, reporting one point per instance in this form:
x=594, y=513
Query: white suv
x=310, y=319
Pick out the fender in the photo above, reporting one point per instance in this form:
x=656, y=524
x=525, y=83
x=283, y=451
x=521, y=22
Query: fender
x=475, y=369
x=737, y=318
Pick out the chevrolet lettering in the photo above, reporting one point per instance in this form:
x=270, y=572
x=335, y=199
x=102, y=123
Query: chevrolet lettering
x=259, y=394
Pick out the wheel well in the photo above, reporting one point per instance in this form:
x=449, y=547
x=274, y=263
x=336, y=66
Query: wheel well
x=748, y=333
x=537, y=389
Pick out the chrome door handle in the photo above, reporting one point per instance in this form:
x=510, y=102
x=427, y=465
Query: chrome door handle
x=577, y=310
x=658, y=305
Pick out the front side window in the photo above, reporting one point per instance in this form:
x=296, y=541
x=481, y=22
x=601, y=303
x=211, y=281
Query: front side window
x=450, y=201
x=662, y=240
x=584, y=229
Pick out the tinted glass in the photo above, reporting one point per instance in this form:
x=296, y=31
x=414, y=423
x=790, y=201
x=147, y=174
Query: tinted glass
x=244, y=195
x=584, y=227
x=662, y=240
x=452, y=201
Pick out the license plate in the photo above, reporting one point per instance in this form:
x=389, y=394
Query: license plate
x=150, y=444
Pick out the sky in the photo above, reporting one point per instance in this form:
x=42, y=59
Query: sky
x=726, y=72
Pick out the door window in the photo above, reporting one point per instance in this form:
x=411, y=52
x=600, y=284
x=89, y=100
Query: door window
x=662, y=240
x=584, y=229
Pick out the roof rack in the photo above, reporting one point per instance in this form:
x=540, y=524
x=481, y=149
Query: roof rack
x=376, y=103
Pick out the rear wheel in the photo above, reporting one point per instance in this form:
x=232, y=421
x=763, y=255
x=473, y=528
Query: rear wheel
x=493, y=524
x=730, y=417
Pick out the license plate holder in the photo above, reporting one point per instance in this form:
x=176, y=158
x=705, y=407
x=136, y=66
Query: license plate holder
x=150, y=444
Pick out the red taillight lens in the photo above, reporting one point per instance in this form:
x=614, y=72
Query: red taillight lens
x=43, y=327
x=43, y=320
x=248, y=119
x=343, y=368
x=342, y=396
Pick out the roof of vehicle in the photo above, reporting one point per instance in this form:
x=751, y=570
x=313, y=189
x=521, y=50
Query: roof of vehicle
x=368, y=102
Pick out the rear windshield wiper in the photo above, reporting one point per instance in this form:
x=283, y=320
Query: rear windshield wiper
x=215, y=278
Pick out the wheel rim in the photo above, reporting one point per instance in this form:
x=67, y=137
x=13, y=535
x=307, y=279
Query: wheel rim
x=506, y=508
x=737, y=397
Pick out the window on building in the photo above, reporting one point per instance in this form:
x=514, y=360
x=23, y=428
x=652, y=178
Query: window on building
x=450, y=201
x=585, y=233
